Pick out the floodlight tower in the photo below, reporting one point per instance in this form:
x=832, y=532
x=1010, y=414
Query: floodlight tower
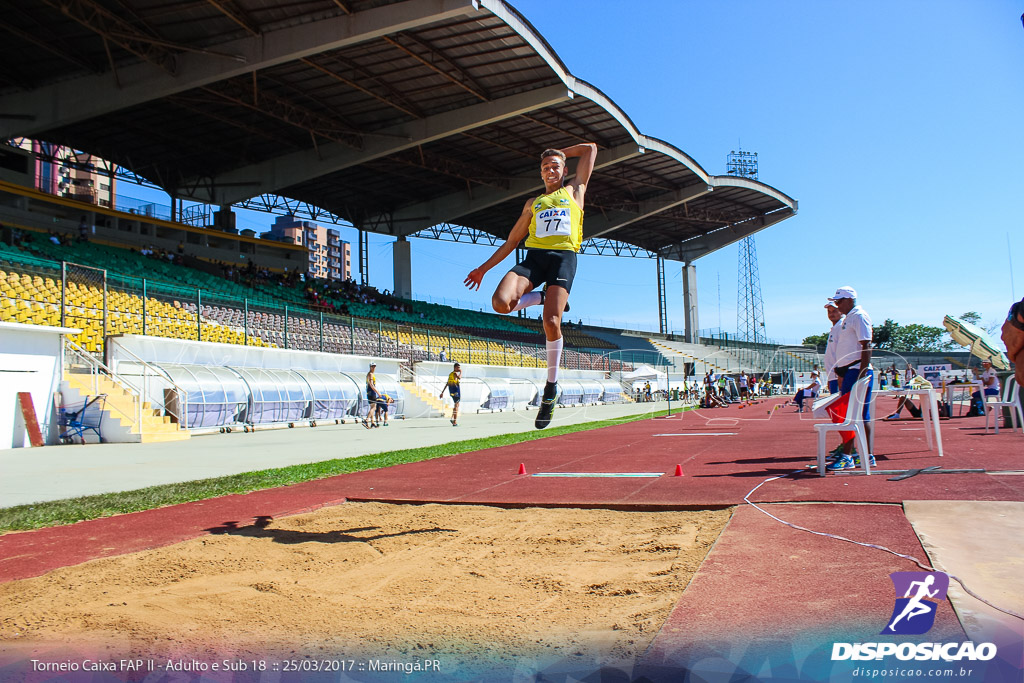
x=749, y=304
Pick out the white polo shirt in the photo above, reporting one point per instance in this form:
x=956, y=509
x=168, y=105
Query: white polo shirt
x=830, y=350
x=990, y=373
x=853, y=329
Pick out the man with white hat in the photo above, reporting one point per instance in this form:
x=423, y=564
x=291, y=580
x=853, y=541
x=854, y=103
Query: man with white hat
x=853, y=361
x=990, y=383
x=835, y=316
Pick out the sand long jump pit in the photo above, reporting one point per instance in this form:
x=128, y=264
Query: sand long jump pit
x=474, y=588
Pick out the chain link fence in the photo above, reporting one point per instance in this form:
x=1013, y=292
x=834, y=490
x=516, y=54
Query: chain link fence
x=100, y=303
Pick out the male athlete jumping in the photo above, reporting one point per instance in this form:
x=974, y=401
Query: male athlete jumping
x=552, y=225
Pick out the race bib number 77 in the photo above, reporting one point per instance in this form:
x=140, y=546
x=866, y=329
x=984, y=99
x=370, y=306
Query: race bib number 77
x=554, y=222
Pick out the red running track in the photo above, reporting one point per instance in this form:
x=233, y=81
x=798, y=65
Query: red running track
x=723, y=454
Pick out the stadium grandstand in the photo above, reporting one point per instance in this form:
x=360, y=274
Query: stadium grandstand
x=324, y=108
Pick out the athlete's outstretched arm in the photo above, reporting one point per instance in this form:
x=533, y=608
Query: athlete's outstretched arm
x=587, y=153
x=519, y=232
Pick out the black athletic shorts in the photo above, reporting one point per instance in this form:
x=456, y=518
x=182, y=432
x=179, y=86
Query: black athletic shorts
x=455, y=392
x=548, y=266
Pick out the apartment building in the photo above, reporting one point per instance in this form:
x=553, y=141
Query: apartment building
x=63, y=172
x=330, y=257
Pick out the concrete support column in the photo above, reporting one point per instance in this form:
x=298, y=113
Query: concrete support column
x=402, y=251
x=692, y=323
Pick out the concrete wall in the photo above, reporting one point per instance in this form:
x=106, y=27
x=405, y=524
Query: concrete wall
x=32, y=360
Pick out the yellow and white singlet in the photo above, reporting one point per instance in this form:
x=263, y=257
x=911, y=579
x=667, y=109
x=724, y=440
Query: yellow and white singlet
x=557, y=222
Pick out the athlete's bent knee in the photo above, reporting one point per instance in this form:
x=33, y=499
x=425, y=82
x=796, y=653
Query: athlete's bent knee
x=501, y=305
x=553, y=326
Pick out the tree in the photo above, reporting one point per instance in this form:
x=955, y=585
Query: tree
x=916, y=338
x=891, y=336
x=884, y=335
x=972, y=317
x=817, y=340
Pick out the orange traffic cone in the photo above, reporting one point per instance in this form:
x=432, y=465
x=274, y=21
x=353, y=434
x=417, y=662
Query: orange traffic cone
x=522, y=468
x=679, y=471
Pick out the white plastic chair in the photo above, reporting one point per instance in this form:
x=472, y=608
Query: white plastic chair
x=1011, y=400
x=854, y=422
x=875, y=386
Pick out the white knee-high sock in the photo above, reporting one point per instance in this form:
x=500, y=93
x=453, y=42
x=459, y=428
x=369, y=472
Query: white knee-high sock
x=554, y=358
x=528, y=299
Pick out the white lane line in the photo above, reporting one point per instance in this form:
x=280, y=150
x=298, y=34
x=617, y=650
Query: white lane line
x=700, y=434
x=598, y=474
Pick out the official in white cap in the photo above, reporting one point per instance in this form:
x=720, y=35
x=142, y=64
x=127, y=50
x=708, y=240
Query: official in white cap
x=853, y=361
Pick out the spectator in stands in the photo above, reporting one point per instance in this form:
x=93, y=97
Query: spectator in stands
x=552, y=225
x=371, y=397
x=54, y=237
x=83, y=230
x=455, y=391
x=853, y=362
x=442, y=357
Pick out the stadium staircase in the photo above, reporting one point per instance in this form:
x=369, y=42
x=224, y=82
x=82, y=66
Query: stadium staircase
x=679, y=354
x=429, y=404
x=119, y=422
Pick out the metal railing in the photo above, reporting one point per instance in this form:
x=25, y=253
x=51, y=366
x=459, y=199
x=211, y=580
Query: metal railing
x=149, y=370
x=103, y=302
x=77, y=357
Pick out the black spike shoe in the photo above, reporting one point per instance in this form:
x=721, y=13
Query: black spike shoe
x=547, y=405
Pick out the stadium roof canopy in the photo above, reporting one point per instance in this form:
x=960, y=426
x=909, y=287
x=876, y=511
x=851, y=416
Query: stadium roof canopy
x=395, y=115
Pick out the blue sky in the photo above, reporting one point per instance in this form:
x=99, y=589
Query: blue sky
x=896, y=125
